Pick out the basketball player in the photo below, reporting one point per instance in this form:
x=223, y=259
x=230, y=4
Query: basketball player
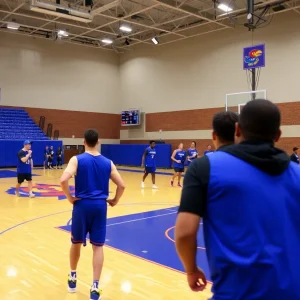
x=148, y=160
x=24, y=168
x=294, y=156
x=248, y=197
x=92, y=173
x=50, y=157
x=192, y=153
x=59, y=158
x=208, y=151
x=46, y=157
x=178, y=158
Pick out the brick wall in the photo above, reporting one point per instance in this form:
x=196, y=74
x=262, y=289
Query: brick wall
x=201, y=119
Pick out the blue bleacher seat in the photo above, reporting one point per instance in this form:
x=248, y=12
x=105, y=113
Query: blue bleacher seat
x=15, y=123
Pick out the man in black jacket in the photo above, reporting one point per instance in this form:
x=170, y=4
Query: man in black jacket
x=248, y=197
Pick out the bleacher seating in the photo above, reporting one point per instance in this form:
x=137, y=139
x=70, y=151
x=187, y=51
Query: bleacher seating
x=16, y=124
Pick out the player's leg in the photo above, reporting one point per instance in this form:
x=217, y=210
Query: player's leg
x=179, y=176
x=97, y=238
x=174, y=176
x=20, y=178
x=78, y=237
x=144, y=177
x=153, y=178
x=28, y=178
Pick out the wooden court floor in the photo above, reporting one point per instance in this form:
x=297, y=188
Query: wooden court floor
x=140, y=259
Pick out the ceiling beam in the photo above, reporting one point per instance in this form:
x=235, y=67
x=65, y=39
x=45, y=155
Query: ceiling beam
x=173, y=5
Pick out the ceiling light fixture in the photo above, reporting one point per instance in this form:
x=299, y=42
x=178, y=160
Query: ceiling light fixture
x=125, y=28
x=224, y=7
x=155, y=41
x=13, y=26
x=107, y=41
x=62, y=33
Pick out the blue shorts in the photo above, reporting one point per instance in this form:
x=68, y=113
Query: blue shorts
x=150, y=169
x=89, y=217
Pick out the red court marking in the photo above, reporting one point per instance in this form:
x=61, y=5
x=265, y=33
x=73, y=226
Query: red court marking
x=169, y=238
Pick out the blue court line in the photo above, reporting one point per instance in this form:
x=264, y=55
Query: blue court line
x=31, y=220
x=142, y=171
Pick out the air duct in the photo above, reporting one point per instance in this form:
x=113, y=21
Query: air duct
x=60, y=11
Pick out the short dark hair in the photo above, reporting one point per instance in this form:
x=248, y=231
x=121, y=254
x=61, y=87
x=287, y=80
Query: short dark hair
x=91, y=137
x=295, y=148
x=260, y=120
x=152, y=142
x=224, y=125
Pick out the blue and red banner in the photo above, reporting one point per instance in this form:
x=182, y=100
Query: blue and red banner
x=254, y=57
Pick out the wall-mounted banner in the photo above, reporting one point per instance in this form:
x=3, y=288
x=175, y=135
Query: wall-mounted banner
x=254, y=57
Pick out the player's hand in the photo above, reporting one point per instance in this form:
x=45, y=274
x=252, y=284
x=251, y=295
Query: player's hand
x=112, y=202
x=197, y=280
x=73, y=199
x=29, y=152
x=178, y=161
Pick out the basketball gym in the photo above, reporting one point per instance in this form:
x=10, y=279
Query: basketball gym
x=136, y=71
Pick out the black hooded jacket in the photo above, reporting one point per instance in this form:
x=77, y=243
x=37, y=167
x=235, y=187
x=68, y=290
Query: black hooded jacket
x=263, y=156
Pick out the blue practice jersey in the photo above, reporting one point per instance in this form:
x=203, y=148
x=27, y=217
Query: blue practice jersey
x=150, y=157
x=92, y=177
x=23, y=167
x=208, y=152
x=180, y=155
x=192, y=152
x=256, y=242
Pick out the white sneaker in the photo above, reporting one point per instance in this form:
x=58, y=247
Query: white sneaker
x=17, y=193
x=154, y=186
x=31, y=195
x=142, y=185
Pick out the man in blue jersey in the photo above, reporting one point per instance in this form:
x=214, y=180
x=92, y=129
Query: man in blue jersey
x=92, y=173
x=148, y=160
x=208, y=151
x=248, y=197
x=192, y=153
x=46, y=157
x=51, y=157
x=24, y=168
x=178, y=157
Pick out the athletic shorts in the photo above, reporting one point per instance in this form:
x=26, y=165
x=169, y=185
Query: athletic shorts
x=179, y=170
x=89, y=218
x=24, y=176
x=150, y=169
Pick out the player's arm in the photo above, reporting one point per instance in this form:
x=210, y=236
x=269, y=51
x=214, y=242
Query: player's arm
x=192, y=207
x=173, y=156
x=143, y=157
x=188, y=154
x=118, y=181
x=24, y=157
x=65, y=177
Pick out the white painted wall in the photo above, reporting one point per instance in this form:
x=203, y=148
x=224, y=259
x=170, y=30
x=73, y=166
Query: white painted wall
x=198, y=72
x=45, y=74
x=77, y=141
